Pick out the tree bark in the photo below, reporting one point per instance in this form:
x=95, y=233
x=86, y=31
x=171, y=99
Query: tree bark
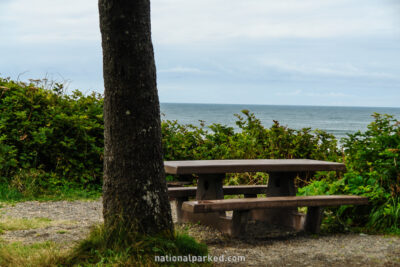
x=134, y=186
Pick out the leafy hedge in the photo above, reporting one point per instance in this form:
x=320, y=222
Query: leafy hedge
x=253, y=141
x=373, y=169
x=50, y=139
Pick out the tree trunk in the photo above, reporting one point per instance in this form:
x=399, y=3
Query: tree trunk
x=134, y=187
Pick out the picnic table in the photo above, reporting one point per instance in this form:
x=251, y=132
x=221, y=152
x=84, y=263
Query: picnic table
x=210, y=206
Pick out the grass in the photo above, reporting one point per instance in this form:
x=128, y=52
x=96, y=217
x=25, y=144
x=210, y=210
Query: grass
x=96, y=250
x=13, y=224
x=10, y=194
x=38, y=254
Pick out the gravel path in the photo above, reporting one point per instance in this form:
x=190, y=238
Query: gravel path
x=71, y=221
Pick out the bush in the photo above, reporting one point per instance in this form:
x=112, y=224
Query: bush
x=184, y=142
x=59, y=137
x=372, y=161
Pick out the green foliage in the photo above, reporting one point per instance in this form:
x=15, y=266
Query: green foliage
x=372, y=161
x=375, y=154
x=253, y=141
x=11, y=194
x=56, y=137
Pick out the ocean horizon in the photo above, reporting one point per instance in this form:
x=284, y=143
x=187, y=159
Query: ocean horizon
x=337, y=120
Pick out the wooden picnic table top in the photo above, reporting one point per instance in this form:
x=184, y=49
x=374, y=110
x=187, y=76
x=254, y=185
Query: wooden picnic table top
x=249, y=165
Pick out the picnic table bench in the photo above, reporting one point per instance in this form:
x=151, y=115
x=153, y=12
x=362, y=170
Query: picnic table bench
x=246, y=190
x=278, y=207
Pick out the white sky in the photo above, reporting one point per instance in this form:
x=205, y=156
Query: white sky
x=331, y=52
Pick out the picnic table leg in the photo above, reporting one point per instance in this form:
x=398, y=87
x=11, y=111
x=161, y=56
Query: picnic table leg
x=239, y=222
x=209, y=186
x=280, y=184
x=313, y=219
x=178, y=205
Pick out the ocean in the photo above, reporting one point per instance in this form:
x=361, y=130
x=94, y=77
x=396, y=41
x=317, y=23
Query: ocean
x=339, y=121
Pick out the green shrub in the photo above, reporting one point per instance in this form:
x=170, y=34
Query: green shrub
x=253, y=141
x=59, y=137
x=372, y=161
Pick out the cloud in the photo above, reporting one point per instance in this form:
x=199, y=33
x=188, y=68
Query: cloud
x=205, y=21
x=182, y=21
x=307, y=93
x=182, y=70
x=342, y=69
x=292, y=93
x=47, y=21
x=329, y=95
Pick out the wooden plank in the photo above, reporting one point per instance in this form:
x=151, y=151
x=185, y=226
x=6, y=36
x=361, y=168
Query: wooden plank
x=228, y=190
x=182, y=191
x=271, y=202
x=250, y=165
